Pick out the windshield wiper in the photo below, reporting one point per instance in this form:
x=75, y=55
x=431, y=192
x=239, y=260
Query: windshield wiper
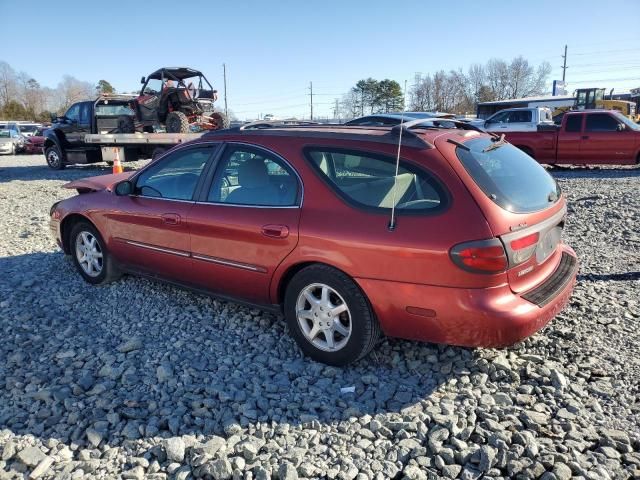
x=497, y=143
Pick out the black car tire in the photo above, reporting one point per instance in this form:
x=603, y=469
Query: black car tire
x=221, y=119
x=177, y=122
x=365, y=330
x=54, y=158
x=109, y=271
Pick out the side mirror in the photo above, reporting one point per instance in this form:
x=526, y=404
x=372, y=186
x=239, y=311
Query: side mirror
x=621, y=127
x=124, y=189
x=143, y=79
x=487, y=123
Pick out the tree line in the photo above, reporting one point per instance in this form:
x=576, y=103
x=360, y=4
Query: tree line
x=23, y=98
x=455, y=91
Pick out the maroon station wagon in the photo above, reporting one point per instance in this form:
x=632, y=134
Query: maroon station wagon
x=299, y=220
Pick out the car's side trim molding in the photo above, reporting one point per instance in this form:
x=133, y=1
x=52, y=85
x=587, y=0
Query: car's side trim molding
x=180, y=253
x=205, y=258
x=230, y=263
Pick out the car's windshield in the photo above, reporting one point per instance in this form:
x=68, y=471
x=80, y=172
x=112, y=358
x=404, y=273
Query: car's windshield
x=508, y=176
x=28, y=128
x=112, y=110
x=5, y=134
x=627, y=121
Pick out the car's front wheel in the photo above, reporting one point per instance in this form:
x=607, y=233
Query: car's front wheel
x=54, y=158
x=90, y=255
x=329, y=316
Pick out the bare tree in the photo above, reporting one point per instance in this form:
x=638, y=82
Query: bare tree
x=458, y=92
x=8, y=84
x=72, y=90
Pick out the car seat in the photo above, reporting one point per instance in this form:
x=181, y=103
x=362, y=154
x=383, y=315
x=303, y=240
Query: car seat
x=255, y=187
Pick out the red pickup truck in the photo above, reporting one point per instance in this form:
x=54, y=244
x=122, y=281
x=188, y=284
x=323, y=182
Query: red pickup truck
x=583, y=137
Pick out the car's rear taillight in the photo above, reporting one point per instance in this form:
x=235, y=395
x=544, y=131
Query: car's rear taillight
x=482, y=256
x=524, y=247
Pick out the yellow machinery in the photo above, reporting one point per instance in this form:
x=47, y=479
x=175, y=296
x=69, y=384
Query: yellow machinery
x=588, y=98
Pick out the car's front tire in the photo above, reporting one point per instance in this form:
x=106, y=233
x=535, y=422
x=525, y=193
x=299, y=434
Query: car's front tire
x=329, y=316
x=54, y=158
x=90, y=255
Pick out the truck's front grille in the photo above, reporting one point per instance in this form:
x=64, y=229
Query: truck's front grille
x=544, y=293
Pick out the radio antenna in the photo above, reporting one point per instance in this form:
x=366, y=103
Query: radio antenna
x=392, y=221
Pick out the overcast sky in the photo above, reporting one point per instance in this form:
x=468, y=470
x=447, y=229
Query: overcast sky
x=273, y=49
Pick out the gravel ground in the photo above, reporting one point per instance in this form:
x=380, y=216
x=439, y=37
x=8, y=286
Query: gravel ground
x=141, y=380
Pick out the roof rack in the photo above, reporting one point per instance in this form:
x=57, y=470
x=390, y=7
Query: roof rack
x=346, y=132
x=435, y=123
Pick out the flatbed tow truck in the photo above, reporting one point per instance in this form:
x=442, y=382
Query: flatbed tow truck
x=89, y=132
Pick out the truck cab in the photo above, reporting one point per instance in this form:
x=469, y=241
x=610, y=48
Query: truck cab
x=584, y=137
x=518, y=119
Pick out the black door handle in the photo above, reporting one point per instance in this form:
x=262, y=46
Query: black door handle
x=585, y=137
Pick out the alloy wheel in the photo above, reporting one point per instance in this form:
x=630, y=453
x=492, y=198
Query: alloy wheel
x=323, y=317
x=89, y=254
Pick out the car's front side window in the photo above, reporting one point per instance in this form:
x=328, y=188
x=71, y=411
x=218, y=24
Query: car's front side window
x=73, y=113
x=176, y=176
x=249, y=176
x=368, y=181
x=601, y=122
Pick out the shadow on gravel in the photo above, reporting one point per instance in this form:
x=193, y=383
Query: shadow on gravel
x=594, y=277
x=137, y=359
x=43, y=172
x=594, y=172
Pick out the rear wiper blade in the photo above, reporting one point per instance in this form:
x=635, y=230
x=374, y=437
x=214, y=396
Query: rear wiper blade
x=458, y=144
x=497, y=143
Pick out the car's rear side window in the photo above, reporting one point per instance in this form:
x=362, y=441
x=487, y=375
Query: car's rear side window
x=507, y=175
x=368, y=181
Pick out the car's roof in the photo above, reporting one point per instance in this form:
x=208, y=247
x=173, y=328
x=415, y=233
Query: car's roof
x=591, y=110
x=416, y=137
x=178, y=72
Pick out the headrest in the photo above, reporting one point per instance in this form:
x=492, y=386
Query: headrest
x=253, y=173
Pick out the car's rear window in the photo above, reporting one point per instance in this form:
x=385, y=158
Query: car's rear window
x=368, y=181
x=507, y=175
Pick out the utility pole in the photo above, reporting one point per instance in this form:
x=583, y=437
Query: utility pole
x=336, y=111
x=564, y=65
x=224, y=73
x=311, y=94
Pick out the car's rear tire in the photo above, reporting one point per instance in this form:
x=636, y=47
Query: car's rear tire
x=177, y=122
x=90, y=255
x=329, y=316
x=54, y=158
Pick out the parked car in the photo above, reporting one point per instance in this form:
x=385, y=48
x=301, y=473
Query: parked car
x=394, y=118
x=11, y=142
x=518, y=120
x=28, y=129
x=583, y=137
x=35, y=142
x=299, y=220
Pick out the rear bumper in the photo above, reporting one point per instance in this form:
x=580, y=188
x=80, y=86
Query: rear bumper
x=489, y=317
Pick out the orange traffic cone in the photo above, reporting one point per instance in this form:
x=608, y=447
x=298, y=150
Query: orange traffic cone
x=117, y=166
